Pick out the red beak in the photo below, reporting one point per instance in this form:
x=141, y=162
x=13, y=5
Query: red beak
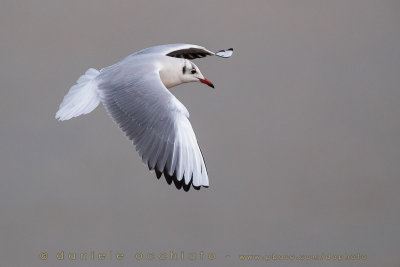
x=207, y=82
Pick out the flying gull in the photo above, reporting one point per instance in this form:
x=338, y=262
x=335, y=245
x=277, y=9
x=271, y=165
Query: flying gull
x=135, y=92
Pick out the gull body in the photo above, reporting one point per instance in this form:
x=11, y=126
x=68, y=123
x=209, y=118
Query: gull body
x=135, y=92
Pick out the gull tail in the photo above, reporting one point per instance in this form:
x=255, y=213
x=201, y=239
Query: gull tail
x=82, y=98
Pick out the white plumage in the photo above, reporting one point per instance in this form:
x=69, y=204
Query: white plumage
x=134, y=92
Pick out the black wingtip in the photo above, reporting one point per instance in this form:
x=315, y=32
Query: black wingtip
x=178, y=184
x=169, y=178
x=196, y=187
x=158, y=173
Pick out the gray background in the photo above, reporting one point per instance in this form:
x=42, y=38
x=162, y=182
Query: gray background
x=300, y=136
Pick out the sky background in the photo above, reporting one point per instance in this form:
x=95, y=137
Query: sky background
x=300, y=136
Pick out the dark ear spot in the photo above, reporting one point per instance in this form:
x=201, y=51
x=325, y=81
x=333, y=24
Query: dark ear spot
x=184, y=69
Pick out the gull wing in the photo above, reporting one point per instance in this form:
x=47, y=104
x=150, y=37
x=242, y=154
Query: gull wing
x=157, y=123
x=187, y=51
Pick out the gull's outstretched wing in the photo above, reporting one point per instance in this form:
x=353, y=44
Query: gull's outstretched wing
x=187, y=51
x=156, y=122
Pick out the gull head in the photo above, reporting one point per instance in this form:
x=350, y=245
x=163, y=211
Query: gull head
x=178, y=71
x=191, y=73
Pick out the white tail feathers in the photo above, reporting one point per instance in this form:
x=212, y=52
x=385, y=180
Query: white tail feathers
x=82, y=98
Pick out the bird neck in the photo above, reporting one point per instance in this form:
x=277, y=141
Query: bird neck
x=171, y=73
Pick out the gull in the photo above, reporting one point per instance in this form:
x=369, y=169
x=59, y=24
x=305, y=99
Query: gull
x=135, y=92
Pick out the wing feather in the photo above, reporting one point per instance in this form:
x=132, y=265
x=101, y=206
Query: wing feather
x=156, y=122
x=188, y=51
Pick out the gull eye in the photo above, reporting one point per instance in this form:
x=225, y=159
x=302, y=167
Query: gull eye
x=184, y=69
x=193, y=71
